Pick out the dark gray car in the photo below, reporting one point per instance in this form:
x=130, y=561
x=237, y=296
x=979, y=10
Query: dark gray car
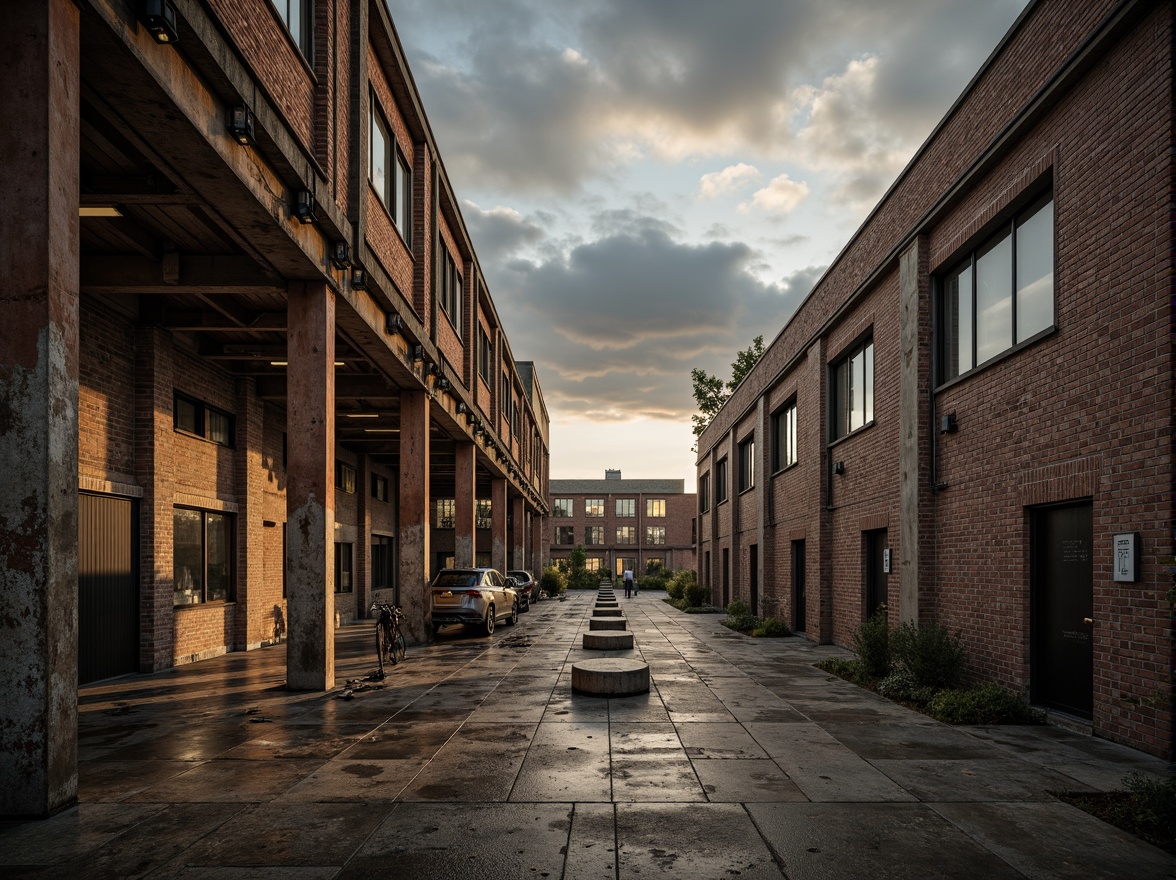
x=527, y=588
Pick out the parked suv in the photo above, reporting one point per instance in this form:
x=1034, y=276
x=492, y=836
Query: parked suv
x=527, y=588
x=478, y=597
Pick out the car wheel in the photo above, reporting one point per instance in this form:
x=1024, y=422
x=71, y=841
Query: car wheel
x=436, y=628
x=525, y=604
x=514, y=614
x=488, y=623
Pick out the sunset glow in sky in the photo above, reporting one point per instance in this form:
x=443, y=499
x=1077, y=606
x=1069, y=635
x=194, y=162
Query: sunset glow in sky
x=650, y=184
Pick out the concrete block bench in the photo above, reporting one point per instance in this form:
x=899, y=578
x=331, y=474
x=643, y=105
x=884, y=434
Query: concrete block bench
x=607, y=641
x=610, y=677
x=606, y=623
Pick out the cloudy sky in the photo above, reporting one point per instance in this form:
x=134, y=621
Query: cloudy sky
x=650, y=184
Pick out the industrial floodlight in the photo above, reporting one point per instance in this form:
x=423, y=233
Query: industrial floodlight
x=393, y=324
x=358, y=279
x=159, y=17
x=304, y=206
x=242, y=126
x=341, y=255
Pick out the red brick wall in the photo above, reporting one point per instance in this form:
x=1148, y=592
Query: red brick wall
x=106, y=398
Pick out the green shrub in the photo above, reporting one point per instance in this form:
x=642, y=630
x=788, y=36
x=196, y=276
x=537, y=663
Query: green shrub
x=932, y=656
x=738, y=608
x=705, y=608
x=771, y=628
x=677, y=586
x=901, y=685
x=850, y=670
x=1154, y=802
x=656, y=580
x=871, y=641
x=695, y=594
x=552, y=582
x=984, y=704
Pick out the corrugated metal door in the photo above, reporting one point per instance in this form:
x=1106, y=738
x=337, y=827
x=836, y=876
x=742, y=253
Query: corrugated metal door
x=108, y=587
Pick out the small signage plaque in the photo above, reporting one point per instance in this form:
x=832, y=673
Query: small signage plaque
x=1126, y=557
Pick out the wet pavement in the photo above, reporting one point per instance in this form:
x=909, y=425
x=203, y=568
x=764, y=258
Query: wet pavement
x=474, y=759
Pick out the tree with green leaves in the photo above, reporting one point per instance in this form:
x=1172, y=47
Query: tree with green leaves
x=711, y=392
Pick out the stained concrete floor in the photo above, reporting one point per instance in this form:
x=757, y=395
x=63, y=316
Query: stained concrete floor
x=475, y=760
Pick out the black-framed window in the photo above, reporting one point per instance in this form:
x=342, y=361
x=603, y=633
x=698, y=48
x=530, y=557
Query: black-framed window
x=563, y=506
x=298, y=17
x=784, y=437
x=379, y=487
x=203, y=556
x=446, y=513
x=721, y=481
x=565, y=535
x=626, y=535
x=1001, y=294
x=853, y=390
x=747, y=464
x=593, y=534
x=450, y=293
x=382, y=562
x=593, y=507
x=344, y=477
x=655, y=534
x=390, y=174
x=655, y=507
x=704, y=493
x=485, y=354
x=626, y=507
x=344, y=567
x=482, y=511
x=195, y=417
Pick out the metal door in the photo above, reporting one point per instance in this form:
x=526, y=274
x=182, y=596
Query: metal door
x=753, y=579
x=876, y=587
x=799, y=611
x=108, y=587
x=1062, y=591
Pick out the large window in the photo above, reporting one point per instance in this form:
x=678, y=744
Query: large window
x=721, y=481
x=192, y=416
x=485, y=354
x=747, y=464
x=1001, y=294
x=626, y=507
x=296, y=14
x=390, y=175
x=784, y=437
x=450, y=293
x=202, y=556
x=593, y=534
x=562, y=506
x=565, y=535
x=344, y=567
x=853, y=390
x=655, y=507
x=344, y=477
x=446, y=509
x=593, y=507
x=655, y=534
x=626, y=534
x=704, y=493
x=379, y=487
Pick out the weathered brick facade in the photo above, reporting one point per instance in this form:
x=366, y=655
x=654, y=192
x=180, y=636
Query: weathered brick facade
x=1075, y=103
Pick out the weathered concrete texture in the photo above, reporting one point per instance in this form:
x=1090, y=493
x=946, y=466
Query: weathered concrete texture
x=606, y=623
x=612, y=677
x=39, y=408
x=604, y=611
x=607, y=641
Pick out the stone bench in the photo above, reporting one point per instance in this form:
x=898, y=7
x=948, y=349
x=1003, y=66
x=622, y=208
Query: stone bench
x=610, y=677
x=607, y=641
x=598, y=611
x=606, y=623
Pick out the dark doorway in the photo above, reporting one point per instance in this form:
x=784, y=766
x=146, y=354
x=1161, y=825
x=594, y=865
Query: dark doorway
x=876, y=594
x=726, y=576
x=753, y=578
x=108, y=587
x=799, y=612
x=1062, y=591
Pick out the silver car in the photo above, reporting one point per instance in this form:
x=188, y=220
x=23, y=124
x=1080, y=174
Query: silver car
x=478, y=597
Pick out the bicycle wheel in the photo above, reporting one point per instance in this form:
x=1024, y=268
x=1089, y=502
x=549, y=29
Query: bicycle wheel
x=398, y=647
x=384, y=645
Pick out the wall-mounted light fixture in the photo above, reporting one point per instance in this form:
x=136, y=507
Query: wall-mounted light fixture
x=159, y=17
x=948, y=424
x=304, y=206
x=242, y=126
x=418, y=352
x=462, y=409
x=393, y=324
x=479, y=429
x=341, y=255
x=443, y=383
x=433, y=369
x=358, y=279
x=839, y=468
x=470, y=417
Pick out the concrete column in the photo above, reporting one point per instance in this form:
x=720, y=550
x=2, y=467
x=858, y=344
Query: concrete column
x=538, y=548
x=465, y=503
x=498, y=524
x=363, y=535
x=518, y=538
x=39, y=408
x=413, y=514
x=914, y=385
x=253, y=619
x=310, y=489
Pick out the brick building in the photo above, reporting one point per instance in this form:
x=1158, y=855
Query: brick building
x=247, y=347
x=623, y=524
x=969, y=419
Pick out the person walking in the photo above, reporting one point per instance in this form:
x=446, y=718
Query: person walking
x=628, y=576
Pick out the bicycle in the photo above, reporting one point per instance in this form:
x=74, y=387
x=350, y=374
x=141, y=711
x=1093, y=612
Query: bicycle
x=389, y=639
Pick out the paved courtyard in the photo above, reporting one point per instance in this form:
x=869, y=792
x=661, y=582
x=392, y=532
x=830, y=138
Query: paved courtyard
x=474, y=759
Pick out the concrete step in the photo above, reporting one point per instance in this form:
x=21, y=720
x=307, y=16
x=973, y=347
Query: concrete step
x=606, y=612
x=607, y=641
x=610, y=677
x=606, y=623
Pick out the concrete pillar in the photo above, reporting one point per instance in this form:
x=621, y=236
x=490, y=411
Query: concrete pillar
x=363, y=535
x=310, y=489
x=518, y=538
x=39, y=84
x=538, y=548
x=465, y=503
x=914, y=384
x=413, y=515
x=254, y=620
x=498, y=523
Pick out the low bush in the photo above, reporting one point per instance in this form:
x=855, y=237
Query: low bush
x=705, y=608
x=695, y=594
x=901, y=685
x=654, y=581
x=676, y=588
x=929, y=654
x=552, y=582
x=851, y=670
x=984, y=704
x=771, y=628
x=871, y=641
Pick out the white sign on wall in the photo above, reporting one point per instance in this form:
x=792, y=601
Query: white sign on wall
x=1126, y=557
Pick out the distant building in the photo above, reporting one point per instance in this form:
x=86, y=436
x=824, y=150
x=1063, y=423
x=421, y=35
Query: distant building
x=637, y=524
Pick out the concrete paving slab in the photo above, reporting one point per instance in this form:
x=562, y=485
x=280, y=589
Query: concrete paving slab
x=907, y=741
x=299, y=740
x=566, y=763
x=229, y=782
x=72, y=833
x=1056, y=841
x=853, y=841
x=661, y=776
x=400, y=740
x=832, y=772
x=592, y=847
x=113, y=781
x=746, y=781
x=718, y=741
x=640, y=707
x=684, y=841
x=975, y=779
x=344, y=780
x=480, y=763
